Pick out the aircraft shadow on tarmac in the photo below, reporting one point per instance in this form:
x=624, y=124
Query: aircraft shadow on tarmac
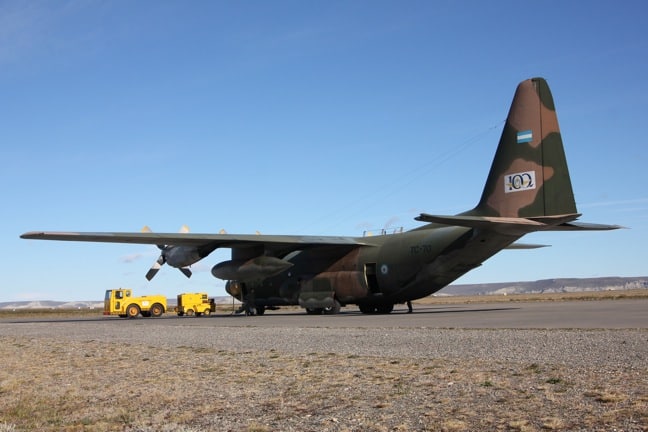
x=296, y=314
x=357, y=313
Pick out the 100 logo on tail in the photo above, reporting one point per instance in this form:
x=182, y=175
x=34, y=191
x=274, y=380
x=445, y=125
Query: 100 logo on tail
x=519, y=182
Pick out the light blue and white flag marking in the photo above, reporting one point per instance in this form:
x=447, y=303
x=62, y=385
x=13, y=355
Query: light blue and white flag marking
x=524, y=136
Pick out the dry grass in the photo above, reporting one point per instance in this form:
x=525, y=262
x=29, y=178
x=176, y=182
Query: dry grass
x=571, y=296
x=79, y=313
x=74, y=386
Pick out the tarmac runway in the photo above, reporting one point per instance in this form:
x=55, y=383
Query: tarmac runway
x=599, y=314
x=575, y=333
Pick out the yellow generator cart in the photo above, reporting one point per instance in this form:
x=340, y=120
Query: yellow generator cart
x=121, y=302
x=197, y=304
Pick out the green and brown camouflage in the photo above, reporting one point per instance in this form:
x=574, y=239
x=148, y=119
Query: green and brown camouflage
x=529, y=175
x=528, y=189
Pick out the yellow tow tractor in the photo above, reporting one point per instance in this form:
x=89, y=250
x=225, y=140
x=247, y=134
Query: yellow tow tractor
x=121, y=302
x=191, y=304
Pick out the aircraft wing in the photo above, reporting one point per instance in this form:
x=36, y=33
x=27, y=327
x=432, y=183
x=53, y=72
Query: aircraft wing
x=214, y=241
x=181, y=250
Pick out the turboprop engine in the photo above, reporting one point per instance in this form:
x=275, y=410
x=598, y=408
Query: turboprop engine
x=257, y=268
x=180, y=257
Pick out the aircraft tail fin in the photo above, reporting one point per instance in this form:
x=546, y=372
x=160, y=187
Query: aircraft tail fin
x=529, y=175
x=528, y=187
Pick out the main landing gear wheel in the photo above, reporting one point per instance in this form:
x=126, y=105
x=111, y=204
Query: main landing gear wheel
x=381, y=309
x=332, y=310
x=385, y=309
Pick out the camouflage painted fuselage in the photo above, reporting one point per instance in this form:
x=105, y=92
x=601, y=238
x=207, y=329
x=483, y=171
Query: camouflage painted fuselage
x=528, y=189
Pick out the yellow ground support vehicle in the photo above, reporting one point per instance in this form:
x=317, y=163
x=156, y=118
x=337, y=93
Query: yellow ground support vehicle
x=194, y=303
x=121, y=302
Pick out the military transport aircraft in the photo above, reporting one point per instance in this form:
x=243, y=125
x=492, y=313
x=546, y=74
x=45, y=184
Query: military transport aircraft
x=528, y=189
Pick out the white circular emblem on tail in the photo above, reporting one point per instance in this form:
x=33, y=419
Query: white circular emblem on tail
x=384, y=269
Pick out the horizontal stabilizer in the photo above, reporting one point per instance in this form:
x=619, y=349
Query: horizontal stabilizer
x=525, y=246
x=517, y=226
x=584, y=226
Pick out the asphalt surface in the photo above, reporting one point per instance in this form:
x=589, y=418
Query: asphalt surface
x=607, y=314
x=601, y=334
x=600, y=314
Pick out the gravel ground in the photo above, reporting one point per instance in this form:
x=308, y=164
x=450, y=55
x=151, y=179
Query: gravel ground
x=596, y=348
x=155, y=376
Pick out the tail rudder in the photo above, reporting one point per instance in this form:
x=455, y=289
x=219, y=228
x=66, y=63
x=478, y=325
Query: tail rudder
x=529, y=175
x=528, y=188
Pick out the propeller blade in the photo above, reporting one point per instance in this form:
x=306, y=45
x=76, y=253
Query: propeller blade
x=161, y=259
x=155, y=268
x=152, y=271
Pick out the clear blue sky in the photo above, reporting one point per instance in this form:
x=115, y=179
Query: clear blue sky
x=293, y=117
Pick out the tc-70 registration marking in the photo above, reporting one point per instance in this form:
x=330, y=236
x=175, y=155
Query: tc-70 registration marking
x=420, y=249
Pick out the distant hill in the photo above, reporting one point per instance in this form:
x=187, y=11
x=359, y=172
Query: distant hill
x=563, y=285
x=47, y=304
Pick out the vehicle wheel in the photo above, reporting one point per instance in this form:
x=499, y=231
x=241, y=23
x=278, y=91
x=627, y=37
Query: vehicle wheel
x=260, y=310
x=180, y=313
x=207, y=312
x=335, y=309
x=190, y=312
x=132, y=311
x=156, y=310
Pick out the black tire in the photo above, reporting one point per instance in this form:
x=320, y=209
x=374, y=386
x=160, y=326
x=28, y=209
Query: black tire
x=385, y=308
x=132, y=311
x=260, y=310
x=335, y=309
x=156, y=310
x=367, y=309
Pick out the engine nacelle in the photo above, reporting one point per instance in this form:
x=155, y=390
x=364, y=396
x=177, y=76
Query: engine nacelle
x=181, y=256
